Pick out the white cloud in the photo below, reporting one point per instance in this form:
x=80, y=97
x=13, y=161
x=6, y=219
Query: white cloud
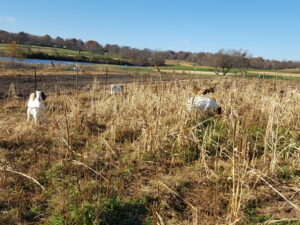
x=7, y=19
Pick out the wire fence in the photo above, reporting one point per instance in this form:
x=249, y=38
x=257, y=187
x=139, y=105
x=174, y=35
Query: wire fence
x=23, y=79
x=68, y=80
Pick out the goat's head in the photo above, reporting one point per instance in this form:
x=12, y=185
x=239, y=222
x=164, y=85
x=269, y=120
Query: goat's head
x=209, y=90
x=219, y=110
x=43, y=96
x=40, y=95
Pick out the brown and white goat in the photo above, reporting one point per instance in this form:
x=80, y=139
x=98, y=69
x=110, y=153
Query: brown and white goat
x=36, y=106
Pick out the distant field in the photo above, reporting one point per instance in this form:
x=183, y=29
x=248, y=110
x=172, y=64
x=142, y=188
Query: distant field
x=291, y=71
x=287, y=74
x=233, y=70
x=184, y=65
x=142, y=71
x=179, y=66
x=192, y=68
x=179, y=62
x=33, y=51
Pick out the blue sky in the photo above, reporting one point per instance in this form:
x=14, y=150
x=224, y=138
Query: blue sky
x=267, y=28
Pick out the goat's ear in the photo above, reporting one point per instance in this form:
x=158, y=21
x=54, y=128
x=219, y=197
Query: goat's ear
x=43, y=95
x=32, y=96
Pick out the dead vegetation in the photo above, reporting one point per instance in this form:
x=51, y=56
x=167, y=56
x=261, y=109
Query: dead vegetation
x=142, y=158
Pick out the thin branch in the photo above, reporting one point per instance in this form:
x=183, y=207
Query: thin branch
x=274, y=189
x=109, y=147
x=24, y=175
x=69, y=147
x=75, y=162
x=278, y=221
x=160, y=219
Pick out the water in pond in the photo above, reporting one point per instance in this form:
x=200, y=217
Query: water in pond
x=48, y=62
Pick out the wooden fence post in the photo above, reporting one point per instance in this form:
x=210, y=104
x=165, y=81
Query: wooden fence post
x=35, y=81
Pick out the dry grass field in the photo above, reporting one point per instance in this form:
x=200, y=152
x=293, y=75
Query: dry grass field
x=142, y=158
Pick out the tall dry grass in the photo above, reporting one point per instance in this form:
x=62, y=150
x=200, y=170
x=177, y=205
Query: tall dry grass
x=142, y=158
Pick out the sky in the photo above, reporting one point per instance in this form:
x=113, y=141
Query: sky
x=266, y=28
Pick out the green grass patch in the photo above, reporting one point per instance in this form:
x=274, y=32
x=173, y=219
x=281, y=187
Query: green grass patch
x=42, y=52
x=191, y=68
x=211, y=69
x=252, y=216
x=267, y=77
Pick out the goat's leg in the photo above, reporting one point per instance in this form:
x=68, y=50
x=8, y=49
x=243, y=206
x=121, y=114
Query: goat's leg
x=28, y=114
x=35, y=117
x=42, y=118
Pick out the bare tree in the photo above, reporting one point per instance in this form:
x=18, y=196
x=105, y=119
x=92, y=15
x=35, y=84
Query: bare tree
x=241, y=61
x=112, y=50
x=46, y=40
x=222, y=61
x=157, y=58
x=94, y=46
x=59, y=42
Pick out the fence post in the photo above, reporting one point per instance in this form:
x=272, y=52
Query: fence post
x=77, y=68
x=76, y=80
x=35, y=81
x=106, y=75
x=126, y=77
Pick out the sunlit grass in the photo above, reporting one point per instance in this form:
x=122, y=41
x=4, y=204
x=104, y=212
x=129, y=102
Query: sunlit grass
x=142, y=157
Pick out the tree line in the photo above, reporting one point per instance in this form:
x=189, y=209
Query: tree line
x=222, y=61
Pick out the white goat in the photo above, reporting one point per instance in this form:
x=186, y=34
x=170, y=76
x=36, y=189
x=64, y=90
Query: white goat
x=203, y=103
x=114, y=89
x=36, y=106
